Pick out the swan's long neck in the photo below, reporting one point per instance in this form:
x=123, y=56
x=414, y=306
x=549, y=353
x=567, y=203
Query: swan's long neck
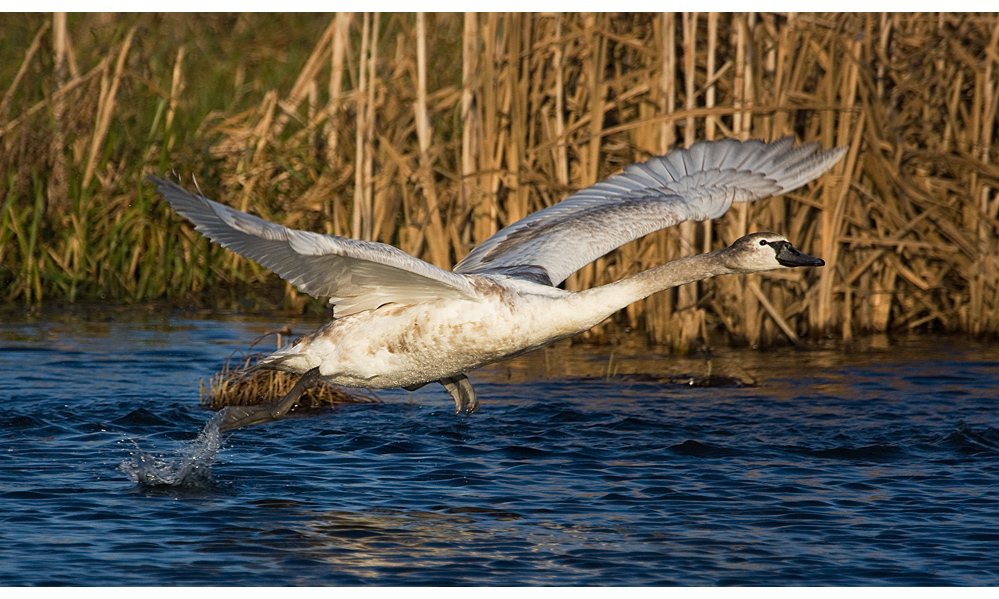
x=600, y=302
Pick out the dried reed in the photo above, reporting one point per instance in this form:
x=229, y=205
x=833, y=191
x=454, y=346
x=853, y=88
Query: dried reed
x=432, y=131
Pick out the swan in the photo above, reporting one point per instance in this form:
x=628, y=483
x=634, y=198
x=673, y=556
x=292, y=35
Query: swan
x=402, y=322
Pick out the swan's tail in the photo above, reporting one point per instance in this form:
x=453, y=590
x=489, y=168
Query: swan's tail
x=277, y=361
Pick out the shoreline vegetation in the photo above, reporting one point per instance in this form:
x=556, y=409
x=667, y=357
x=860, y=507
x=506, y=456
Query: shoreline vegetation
x=432, y=131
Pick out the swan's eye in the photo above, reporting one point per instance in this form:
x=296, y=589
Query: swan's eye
x=763, y=242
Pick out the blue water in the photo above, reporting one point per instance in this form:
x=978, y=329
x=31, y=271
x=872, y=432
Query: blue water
x=870, y=467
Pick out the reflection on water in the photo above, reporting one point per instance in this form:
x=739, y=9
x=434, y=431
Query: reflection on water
x=611, y=465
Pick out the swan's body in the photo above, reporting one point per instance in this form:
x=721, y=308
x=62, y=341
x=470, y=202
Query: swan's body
x=402, y=346
x=401, y=322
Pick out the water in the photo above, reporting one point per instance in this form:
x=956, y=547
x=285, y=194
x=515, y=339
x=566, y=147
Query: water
x=874, y=467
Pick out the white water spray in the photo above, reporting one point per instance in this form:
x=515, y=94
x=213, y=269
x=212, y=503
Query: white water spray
x=192, y=466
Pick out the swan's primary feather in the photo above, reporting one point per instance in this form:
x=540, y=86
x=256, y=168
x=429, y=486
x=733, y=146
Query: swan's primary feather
x=697, y=183
x=355, y=275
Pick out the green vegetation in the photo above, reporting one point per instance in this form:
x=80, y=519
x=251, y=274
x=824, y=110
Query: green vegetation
x=79, y=132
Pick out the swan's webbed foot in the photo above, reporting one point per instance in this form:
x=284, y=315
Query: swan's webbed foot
x=462, y=392
x=240, y=416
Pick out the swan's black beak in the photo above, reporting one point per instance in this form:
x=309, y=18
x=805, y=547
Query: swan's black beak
x=788, y=255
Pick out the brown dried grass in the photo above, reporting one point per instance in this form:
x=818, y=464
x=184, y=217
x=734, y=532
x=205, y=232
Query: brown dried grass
x=230, y=387
x=431, y=132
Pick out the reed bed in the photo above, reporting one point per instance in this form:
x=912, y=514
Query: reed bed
x=433, y=131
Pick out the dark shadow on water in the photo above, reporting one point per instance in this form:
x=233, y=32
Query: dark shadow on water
x=702, y=450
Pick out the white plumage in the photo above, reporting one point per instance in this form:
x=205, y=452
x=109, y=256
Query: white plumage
x=401, y=322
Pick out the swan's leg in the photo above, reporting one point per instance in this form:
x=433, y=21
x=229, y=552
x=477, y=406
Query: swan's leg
x=240, y=416
x=462, y=392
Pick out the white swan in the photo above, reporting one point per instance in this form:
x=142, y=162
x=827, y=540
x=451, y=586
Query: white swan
x=401, y=322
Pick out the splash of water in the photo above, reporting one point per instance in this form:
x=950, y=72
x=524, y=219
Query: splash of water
x=192, y=467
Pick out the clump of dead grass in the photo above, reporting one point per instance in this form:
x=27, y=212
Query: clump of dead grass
x=232, y=387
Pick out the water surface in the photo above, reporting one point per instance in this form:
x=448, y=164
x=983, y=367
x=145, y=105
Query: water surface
x=584, y=466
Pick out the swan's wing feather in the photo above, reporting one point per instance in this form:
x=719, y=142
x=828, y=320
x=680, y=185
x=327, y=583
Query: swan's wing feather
x=692, y=184
x=355, y=275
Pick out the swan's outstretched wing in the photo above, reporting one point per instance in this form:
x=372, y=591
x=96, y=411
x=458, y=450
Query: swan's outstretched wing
x=355, y=275
x=697, y=183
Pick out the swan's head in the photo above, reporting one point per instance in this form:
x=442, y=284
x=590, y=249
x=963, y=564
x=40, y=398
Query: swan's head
x=760, y=252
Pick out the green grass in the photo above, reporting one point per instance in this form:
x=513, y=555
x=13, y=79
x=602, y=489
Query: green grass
x=116, y=240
